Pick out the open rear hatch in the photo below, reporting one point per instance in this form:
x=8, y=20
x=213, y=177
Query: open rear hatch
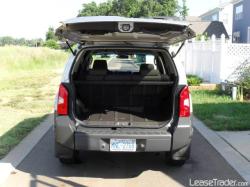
x=114, y=29
x=143, y=97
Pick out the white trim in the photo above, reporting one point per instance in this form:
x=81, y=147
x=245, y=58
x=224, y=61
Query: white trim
x=248, y=34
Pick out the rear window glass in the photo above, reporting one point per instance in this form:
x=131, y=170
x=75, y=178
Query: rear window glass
x=124, y=61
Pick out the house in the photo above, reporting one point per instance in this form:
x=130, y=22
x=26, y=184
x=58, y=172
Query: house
x=200, y=27
x=209, y=28
x=241, y=21
x=223, y=13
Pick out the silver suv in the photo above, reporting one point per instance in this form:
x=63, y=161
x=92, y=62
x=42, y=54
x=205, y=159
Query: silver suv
x=121, y=90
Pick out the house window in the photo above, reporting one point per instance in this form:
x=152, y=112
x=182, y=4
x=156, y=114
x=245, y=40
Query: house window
x=239, y=12
x=236, y=37
x=215, y=17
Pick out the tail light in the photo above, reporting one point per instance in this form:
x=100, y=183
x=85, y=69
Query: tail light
x=62, y=101
x=184, y=103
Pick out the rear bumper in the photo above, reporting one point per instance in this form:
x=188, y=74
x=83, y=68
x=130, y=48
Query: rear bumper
x=98, y=139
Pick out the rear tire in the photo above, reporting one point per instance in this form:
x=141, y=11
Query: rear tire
x=173, y=162
x=179, y=157
x=75, y=159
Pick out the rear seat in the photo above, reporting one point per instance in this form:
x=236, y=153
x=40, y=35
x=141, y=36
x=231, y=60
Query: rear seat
x=104, y=88
x=147, y=73
x=119, y=77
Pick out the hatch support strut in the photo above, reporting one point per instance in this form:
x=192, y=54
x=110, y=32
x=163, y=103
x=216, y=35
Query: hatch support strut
x=174, y=55
x=73, y=52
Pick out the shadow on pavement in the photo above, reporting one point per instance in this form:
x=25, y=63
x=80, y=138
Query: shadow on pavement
x=205, y=163
x=35, y=182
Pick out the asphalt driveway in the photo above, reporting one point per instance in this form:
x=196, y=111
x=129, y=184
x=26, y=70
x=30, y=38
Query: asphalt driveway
x=41, y=168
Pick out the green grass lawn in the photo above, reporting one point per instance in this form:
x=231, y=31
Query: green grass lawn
x=219, y=112
x=29, y=79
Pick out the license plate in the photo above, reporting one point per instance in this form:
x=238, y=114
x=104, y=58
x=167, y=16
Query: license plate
x=123, y=145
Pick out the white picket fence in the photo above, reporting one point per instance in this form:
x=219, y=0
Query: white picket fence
x=213, y=60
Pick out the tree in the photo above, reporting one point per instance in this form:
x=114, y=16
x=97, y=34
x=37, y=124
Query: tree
x=169, y=7
x=128, y=8
x=51, y=39
x=89, y=9
x=184, y=9
x=131, y=8
x=150, y=8
x=51, y=44
x=50, y=35
x=7, y=40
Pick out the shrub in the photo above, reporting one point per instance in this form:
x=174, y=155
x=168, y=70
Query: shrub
x=244, y=81
x=244, y=78
x=194, y=80
x=52, y=44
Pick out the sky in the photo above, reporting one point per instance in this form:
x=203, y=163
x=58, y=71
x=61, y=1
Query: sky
x=31, y=18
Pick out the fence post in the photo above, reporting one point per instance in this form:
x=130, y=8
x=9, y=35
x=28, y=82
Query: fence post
x=212, y=58
x=193, y=70
x=201, y=62
x=234, y=93
x=222, y=58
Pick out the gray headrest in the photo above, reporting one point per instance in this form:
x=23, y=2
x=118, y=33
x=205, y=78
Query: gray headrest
x=148, y=69
x=100, y=67
x=153, y=73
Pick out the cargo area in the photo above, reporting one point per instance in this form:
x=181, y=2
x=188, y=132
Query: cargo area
x=104, y=97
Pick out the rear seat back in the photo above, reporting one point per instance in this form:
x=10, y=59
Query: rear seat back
x=108, y=89
x=99, y=71
x=146, y=68
x=120, y=76
x=147, y=73
x=119, y=95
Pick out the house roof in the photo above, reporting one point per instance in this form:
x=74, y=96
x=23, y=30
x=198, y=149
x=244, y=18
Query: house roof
x=210, y=28
x=199, y=26
x=193, y=18
x=214, y=10
x=236, y=1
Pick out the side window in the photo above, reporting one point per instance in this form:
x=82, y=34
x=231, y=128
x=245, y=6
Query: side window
x=215, y=17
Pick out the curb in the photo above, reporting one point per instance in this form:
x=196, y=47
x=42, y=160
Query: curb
x=241, y=165
x=16, y=155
